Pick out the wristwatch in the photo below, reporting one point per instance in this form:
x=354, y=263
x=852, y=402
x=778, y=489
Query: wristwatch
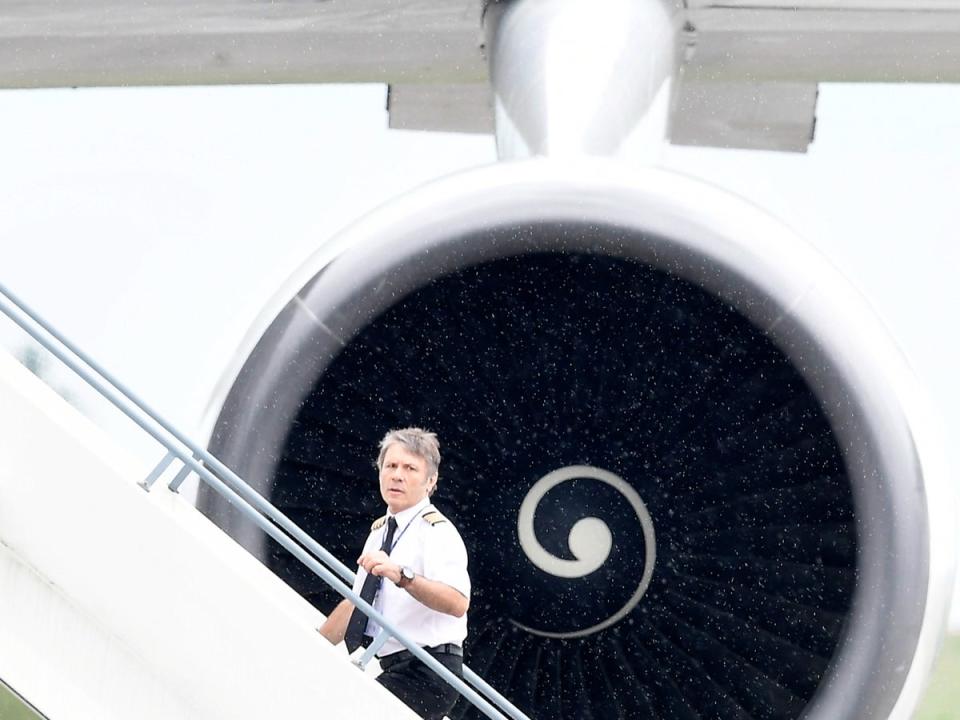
x=406, y=576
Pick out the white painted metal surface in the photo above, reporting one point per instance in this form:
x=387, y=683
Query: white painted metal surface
x=568, y=80
x=749, y=67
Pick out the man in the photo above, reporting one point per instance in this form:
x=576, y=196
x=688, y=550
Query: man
x=416, y=563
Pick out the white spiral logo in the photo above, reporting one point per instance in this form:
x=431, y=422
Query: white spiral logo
x=590, y=540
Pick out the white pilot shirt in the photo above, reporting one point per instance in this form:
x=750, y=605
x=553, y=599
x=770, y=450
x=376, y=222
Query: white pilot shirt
x=434, y=551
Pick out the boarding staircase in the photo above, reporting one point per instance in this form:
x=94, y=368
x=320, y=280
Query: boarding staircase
x=118, y=599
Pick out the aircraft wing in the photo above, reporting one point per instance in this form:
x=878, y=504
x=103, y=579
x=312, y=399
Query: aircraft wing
x=748, y=78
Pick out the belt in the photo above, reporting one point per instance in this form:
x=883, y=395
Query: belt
x=445, y=649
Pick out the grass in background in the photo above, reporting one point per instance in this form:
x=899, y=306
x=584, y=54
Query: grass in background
x=12, y=707
x=942, y=701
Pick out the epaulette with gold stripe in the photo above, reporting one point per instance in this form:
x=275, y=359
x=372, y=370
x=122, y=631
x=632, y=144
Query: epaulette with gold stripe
x=378, y=523
x=433, y=517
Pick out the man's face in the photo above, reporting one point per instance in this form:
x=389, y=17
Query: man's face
x=403, y=479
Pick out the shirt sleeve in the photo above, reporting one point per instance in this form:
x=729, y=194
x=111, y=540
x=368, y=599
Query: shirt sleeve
x=445, y=558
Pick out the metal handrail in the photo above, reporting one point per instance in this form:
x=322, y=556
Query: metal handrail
x=232, y=488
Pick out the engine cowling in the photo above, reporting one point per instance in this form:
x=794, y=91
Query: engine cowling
x=679, y=449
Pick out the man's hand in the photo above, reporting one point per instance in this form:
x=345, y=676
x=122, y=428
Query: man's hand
x=378, y=563
x=435, y=595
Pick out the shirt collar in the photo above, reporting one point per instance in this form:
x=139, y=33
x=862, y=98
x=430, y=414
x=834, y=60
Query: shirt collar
x=405, y=516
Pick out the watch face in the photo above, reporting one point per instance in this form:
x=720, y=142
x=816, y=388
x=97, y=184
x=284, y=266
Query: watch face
x=407, y=573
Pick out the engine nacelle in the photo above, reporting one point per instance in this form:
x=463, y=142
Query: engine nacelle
x=682, y=453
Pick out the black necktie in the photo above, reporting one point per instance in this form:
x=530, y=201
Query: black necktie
x=371, y=584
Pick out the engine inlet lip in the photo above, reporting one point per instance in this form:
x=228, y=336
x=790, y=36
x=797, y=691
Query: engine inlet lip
x=679, y=226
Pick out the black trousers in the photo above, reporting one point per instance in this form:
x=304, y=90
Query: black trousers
x=421, y=689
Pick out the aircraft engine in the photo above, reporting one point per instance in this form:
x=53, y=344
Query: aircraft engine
x=679, y=449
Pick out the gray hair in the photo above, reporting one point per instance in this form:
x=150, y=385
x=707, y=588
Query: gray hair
x=417, y=441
